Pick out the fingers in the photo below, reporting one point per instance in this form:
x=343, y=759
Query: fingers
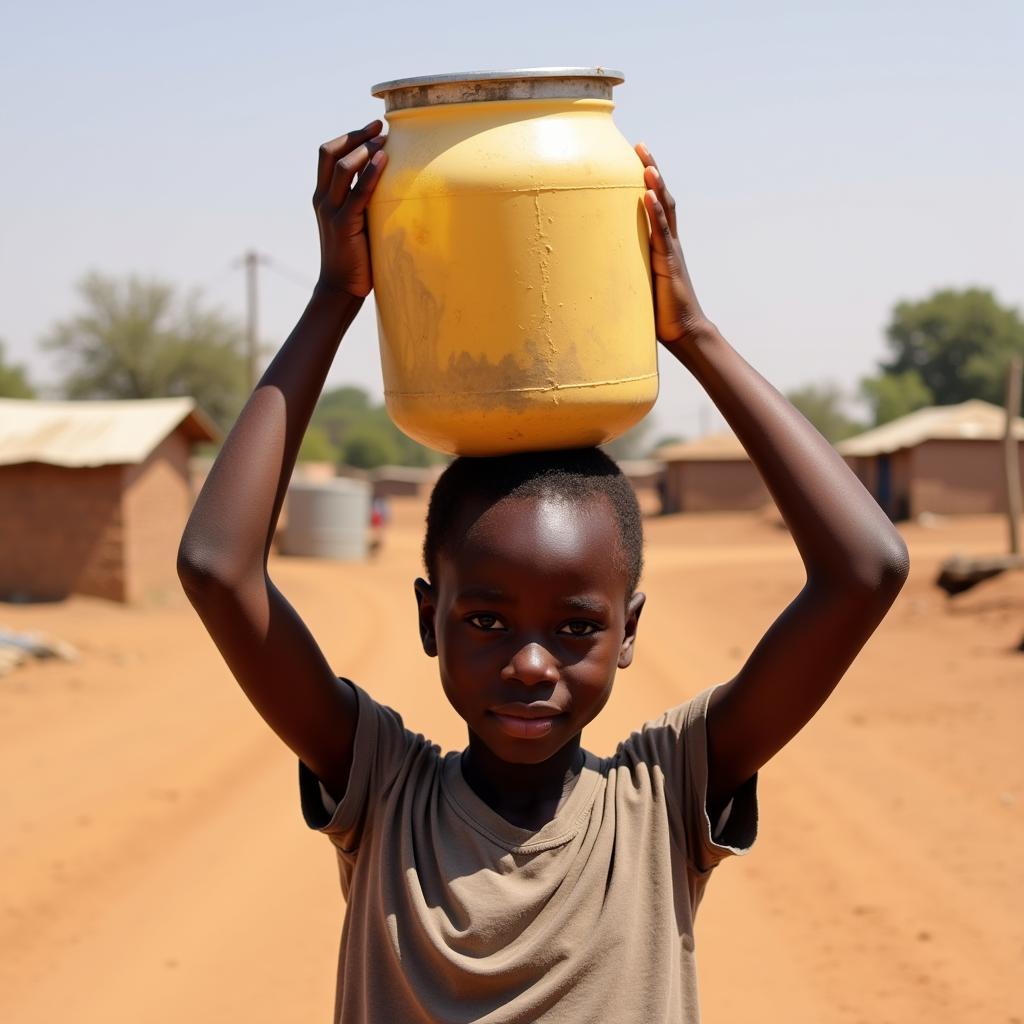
x=645, y=155
x=367, y=182
x=662, y=236
x=654, y=181
x=331, y=152
x=345, y=171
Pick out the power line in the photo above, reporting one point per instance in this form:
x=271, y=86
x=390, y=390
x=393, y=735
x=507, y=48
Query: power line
x=294, y=276
x=215, y=281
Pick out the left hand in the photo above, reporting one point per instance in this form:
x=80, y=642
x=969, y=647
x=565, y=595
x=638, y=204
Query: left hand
x=677, y=313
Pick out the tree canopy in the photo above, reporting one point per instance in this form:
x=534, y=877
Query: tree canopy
x=13, y=381
x=316, y=446
x=891, y=395
x=135, y=338
x=949, y=347
x=360, y=433
x=824, y=406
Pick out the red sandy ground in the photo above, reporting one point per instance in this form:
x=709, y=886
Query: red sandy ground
x=154, y=867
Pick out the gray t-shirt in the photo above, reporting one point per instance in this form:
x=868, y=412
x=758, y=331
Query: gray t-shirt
x=456, y=915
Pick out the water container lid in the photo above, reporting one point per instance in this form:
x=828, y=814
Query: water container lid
x=483, y=86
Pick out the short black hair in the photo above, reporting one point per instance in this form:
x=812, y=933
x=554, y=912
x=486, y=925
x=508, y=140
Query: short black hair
x=575, y=475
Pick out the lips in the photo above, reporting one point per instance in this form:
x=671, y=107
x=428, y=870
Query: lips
x=527, y=720
x=531, y=709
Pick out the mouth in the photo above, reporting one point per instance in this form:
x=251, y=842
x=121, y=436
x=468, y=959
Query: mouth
x=527, y=720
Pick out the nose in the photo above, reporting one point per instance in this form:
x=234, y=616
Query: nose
x=531, y=664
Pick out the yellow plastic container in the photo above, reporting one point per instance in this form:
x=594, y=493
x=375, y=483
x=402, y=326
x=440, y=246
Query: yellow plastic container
x=511, y=263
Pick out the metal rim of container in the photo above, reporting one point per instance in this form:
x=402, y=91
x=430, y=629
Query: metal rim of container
x=481, y=86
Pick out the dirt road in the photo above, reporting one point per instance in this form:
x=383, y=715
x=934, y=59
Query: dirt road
x=154, y=867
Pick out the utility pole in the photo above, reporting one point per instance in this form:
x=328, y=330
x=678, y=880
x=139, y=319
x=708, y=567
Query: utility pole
x=1012, y=462
x=252, y=261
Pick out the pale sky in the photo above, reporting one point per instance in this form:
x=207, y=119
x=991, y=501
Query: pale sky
x=828, y=159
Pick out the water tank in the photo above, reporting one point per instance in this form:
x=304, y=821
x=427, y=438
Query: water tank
x=511, y=262
x=327, y=519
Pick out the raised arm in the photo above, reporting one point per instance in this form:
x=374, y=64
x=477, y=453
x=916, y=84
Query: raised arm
x=855, y=560
x=222, y=561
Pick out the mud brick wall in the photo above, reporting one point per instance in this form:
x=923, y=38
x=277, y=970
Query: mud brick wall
x=61, y=532
x=713, y=486
x=960, y=477
x=111, y=531
x=156, y=504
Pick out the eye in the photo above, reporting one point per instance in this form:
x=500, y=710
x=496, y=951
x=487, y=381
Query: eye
x=579, y=627
x=486, y=622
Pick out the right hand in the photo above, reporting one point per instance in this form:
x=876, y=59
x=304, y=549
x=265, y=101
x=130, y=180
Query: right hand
x=678, y=316
x=341, y=207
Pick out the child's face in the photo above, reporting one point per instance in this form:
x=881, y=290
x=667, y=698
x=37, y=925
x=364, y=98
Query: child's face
x=529, y=619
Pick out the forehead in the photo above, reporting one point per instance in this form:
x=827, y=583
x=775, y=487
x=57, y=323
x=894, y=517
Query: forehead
x=571, y=544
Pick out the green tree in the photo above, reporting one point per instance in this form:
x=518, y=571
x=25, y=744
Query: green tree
x=135, y=338
x=959, y=342
x=339, y=410
x=363, y=433
x=823, y=404
x=368, y=446
x=410, y=452
x=891, y=395
x=13, y=382
x=316, y=446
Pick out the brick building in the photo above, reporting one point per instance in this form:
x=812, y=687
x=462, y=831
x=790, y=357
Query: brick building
x=403, y=481
x=94, y=495
x=946, y=459
x=710, y=474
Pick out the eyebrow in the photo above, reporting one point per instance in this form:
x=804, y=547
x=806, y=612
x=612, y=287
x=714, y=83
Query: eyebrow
x=586, y=604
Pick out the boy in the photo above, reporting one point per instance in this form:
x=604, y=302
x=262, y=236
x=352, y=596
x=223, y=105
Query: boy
x=526, y=879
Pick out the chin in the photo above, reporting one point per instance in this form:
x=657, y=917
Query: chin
x=527, y=754
x=514, y=751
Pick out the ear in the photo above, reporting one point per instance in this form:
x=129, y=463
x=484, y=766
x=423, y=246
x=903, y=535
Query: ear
x=425, y=608
x=633, y=610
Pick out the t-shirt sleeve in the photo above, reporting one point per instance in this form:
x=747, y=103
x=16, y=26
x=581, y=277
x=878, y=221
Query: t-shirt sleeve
x=676, y=746
x=382, y=747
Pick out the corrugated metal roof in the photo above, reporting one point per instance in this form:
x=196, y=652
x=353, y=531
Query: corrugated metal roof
x=723, y=447
x=973, y=421
x=95, y=433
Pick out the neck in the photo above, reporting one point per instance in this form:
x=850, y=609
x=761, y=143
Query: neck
x=527, y=795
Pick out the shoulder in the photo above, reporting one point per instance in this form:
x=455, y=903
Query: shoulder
x=387, y=759
x=665, y=762
x=381, y=733
x=663, y=739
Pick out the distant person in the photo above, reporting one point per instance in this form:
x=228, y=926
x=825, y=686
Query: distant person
x=379, y=519
x=525, y=879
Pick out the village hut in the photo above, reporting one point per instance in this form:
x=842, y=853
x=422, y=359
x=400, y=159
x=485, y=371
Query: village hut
x=647, y=477
x=94, y=496
x=403, y=481
x=710, y=474
x=945, y=459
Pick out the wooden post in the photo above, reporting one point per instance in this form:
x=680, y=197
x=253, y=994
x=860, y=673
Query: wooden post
x=252, y=305
x=1013, y=497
